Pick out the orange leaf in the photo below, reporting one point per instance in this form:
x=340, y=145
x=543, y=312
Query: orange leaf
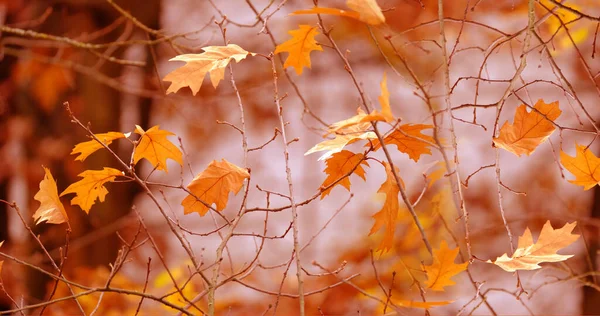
x=426, y=305
x=409, y=140
x=389, y=213
x=51, y=209
x=212, y=61
x=299, y=47
x=91, y=187
x=529, y=255
x=584, y=166
x=213, y=185
x=154, y=146
x=363, y=10
x=384, y=100
x=437, y=174
x=529, y=129
x=443, y=267
x=84, y=149
x=339, y=165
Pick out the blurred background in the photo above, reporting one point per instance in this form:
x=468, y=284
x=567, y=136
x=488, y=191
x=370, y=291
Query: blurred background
x=45, y=62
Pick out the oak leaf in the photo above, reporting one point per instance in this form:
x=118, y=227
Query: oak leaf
x=387, y=216
x=529, y=255
x=154, y=146
x=212, y=61
x=299, y=47
x=585, y=166
x=213, y=185
x=367, y=11
x=363, y=118
x=409, y=139
x=338, y=166
x=342, y=138
x=443, y=267
x=529, y=129
x=51, y=209
x=84, y=149
x=91, y=187
x=439, y=170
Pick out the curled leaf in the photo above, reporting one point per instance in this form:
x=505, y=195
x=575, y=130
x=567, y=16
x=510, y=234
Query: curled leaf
x=84, y=149
x=367, y=11
x=529, y=255
x=51, y=209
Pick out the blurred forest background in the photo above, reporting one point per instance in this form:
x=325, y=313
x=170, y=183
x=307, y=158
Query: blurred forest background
x=107, y=59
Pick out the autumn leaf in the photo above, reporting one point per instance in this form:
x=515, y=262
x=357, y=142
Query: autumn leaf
x=212, y=61
x=387, y=216
x=410, y=140
x=91, y=187
x=529, y=129
x=439, y=170
x=339, y=165
x=416, y=304
x=299, y=47
x=443, y=268
x=84, y=149
x=337, y=144
x=51, y=209
x=154, y=146
x=213, y=185
x=584, y=166
x=565, y=19
x=363, y=118
x=529, y=255
x=363, y=10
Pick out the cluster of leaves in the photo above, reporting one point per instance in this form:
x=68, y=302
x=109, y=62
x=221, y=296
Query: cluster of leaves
x=210, y=189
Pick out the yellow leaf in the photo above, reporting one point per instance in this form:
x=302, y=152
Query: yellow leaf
x=340, y=164
x=84, y=149
x=181, y=276
x=213, y=185
x=91, y=187
x=363, y=118
x=384, y=100
x=368, y=10
x=51, y=209
x=529, y=129
x=363, y=10
x=584, y=166
x=425, y=305
x=389, y=213
x=443, y=267
x=578, y=31
x=529, y=255
x=409, y=140
x=299, y=47
x=349, y=136
x=438, y=173
x=154, y=146
x=212, y=61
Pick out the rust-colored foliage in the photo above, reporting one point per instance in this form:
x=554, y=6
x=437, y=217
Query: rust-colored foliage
x=91, y=187
x=213, y=185
x=299, y=47
x=338, y=166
